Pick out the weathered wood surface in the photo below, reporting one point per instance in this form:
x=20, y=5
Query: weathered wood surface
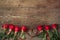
x=30, y=12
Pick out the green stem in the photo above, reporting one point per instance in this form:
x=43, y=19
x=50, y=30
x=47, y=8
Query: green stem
x=4, y=37
x=14, y=36
x=44, y=37
x=22, y=35
x=56, y=32
x=50, y=34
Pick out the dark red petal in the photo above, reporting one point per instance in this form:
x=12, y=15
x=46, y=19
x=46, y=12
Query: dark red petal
x=47, y=27
x=39, y=28
x=5, y=26
x=11, y=26
x=23, y=28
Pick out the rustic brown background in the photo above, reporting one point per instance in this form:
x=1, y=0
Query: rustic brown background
x=30, y=12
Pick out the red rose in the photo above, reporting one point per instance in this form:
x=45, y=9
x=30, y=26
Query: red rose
x=54, y=26
x=23, y=28
x=11, y=27
x=46, y=27
x=16, y=29
x=5, y=26
x=39, y=28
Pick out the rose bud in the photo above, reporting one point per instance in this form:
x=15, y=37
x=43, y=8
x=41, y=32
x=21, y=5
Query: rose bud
x=39, y=28
x=11, y=28
x=47, y=27
x=23, y=30
x=54, y=26
x=5, y=26
x=48, y=32
x=39, y=31
x=16, y=29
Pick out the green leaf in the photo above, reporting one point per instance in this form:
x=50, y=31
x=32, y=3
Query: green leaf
x=2, y=35
x=54, y=37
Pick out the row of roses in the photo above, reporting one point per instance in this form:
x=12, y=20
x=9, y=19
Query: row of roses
x=22, y=29
x=15, y=28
